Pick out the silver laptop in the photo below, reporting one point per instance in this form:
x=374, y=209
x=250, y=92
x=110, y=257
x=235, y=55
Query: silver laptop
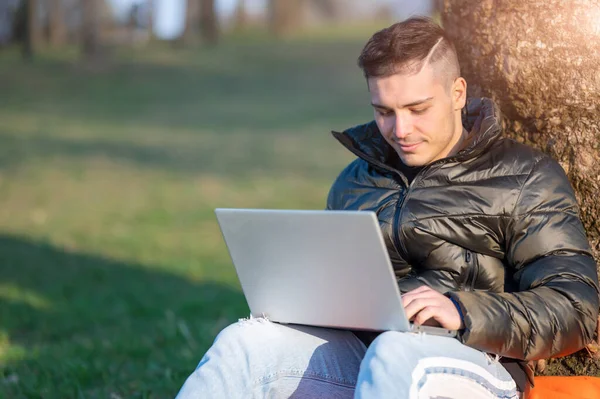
x=318, y=268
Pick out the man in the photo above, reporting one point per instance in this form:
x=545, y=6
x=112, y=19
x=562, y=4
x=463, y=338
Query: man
x=483, y=234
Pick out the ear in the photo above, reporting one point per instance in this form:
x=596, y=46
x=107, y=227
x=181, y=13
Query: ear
x=459, y=93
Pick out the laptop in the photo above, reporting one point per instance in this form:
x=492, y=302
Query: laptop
x=317, y=268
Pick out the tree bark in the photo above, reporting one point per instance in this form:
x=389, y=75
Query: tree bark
x=208, y=22
x=538, y=59
x=90, y=30
x=57, y=29
x=285, y=16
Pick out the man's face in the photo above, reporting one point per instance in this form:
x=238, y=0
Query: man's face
x=417, y=115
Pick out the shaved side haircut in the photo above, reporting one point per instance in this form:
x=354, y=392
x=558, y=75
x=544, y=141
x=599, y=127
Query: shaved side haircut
x=409, y=46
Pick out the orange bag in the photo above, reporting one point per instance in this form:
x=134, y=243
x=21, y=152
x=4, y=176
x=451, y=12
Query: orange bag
x=566, y=388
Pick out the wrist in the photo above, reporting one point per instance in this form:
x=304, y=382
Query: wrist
x=460, y=312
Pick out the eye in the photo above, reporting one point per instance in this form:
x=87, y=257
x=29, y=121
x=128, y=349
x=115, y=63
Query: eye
x=419, y=111
x=382, y=112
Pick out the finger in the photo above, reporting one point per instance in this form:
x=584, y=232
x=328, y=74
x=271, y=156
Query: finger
x=430, y=312
x=407, y=300
x=427, y=294
x=423, y=288
x=445, y=316
x=417, y=305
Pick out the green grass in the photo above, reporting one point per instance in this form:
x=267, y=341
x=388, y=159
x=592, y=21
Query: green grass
x=114, y=279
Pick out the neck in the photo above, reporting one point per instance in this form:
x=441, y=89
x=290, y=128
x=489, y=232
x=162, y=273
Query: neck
x=459, y=141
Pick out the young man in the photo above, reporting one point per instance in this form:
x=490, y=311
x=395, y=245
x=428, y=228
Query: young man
x=483, y=234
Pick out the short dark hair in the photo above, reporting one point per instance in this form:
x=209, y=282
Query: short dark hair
x=406, y=47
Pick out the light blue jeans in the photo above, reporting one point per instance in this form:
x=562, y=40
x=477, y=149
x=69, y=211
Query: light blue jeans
x=260, y=359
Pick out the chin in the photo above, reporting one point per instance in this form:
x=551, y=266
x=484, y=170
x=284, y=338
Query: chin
x=413, y=160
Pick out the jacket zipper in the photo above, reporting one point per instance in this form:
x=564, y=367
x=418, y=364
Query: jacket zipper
x=396, y=226
x=400, y=248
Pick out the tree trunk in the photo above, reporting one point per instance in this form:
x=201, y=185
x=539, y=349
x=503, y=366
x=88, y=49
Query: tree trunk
x=33, y=32
x=57, y=23
x=151, y=18
x=192, y=20
x=285, y=16
x=90, y=30
x=538, y=59
x=208, y=22
x=241, y=17
x=332, y=10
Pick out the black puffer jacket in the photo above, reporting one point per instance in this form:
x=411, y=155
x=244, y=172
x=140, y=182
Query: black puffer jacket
x=495, y=226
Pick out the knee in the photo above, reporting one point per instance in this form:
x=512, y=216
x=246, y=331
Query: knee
x=391, y=341
x=388, y=338
x=243, y=327
x=231, y=360
x=393, y=347
x=235, y=342
x=242, y=334
x=387, y=366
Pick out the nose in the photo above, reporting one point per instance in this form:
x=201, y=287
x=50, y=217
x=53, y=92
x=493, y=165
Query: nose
x=403, y=126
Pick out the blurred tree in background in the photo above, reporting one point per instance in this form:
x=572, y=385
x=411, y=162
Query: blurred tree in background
x=201, y=22
x=209, y=26
x=33, y=36
x=241, y=16
x=192, y=20
x=284, y=16
x=96, y=25
x=290, y=16
x=57, y=30
x=90, y=30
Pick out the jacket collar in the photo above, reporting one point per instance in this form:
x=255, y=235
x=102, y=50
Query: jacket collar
x=480, y=117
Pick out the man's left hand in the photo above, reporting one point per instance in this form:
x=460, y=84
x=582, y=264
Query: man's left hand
x=424, y=303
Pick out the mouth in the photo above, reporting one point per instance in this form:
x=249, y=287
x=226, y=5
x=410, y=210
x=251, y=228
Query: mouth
x=409, y=147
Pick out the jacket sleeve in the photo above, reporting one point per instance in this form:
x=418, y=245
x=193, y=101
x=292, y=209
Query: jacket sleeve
x=555, y=310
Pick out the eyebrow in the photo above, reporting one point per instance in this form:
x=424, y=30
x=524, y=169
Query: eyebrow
x=419, y=102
